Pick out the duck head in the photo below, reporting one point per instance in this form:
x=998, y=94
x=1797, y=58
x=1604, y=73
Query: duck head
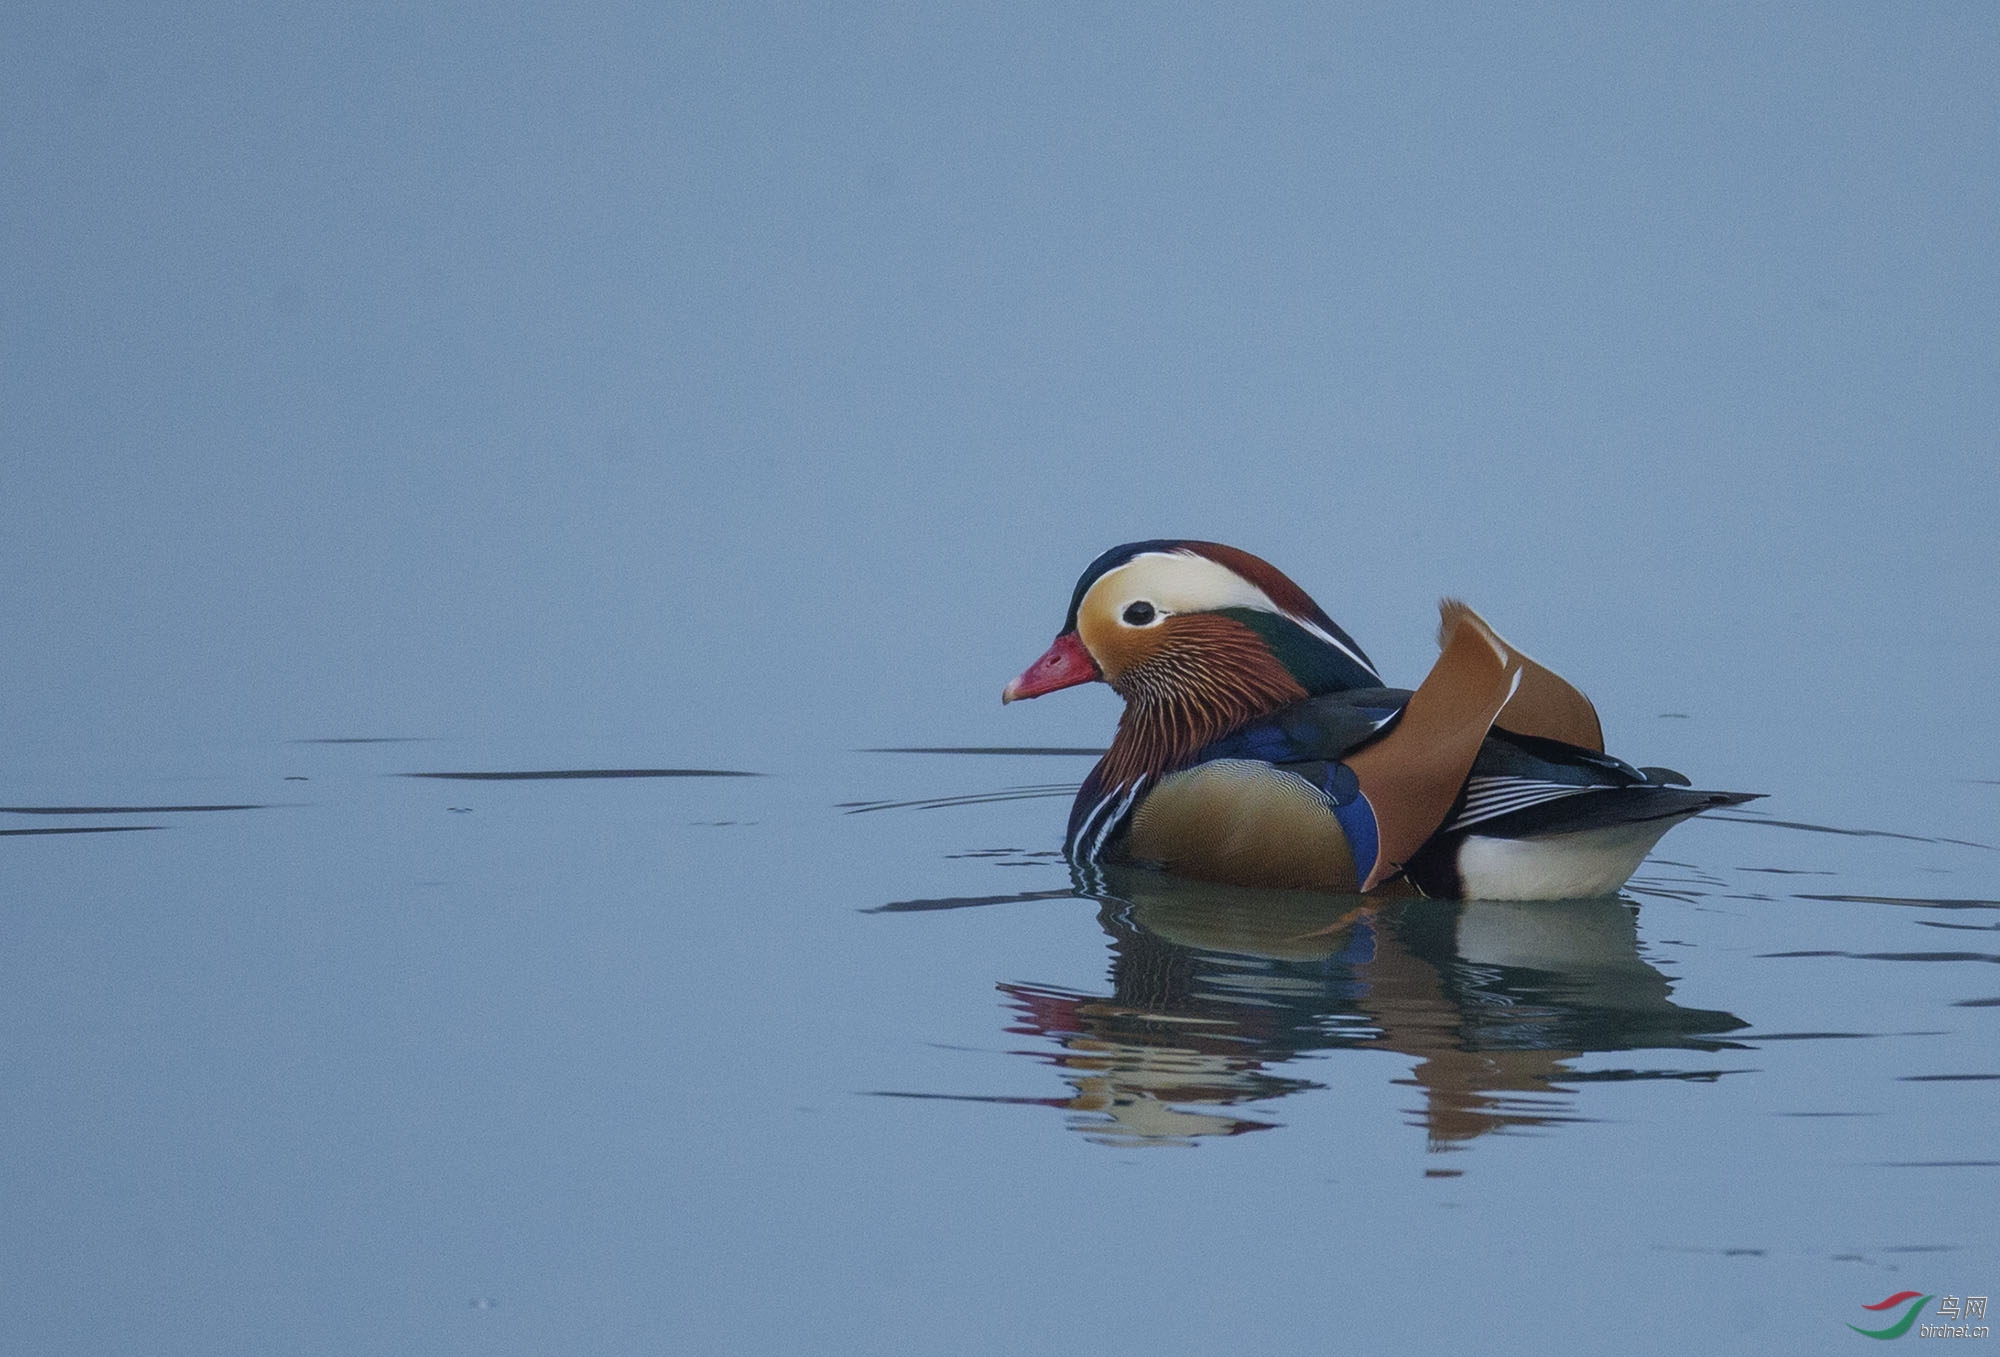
x=1197, y=638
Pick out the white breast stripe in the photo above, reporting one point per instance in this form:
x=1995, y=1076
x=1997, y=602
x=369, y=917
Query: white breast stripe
x=1098, y=827
x=1081, y=834
x=1111, y=822
x=1081, y=839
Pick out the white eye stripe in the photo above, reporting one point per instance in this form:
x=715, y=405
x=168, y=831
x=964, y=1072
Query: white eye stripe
x=1173, y=582
x=1183, y=582
x=1305, y=624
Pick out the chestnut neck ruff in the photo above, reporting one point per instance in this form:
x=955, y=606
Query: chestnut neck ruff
x=1213, y=675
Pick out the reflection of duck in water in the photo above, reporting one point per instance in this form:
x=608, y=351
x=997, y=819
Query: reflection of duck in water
x=1260, y=748
x=1214, y=986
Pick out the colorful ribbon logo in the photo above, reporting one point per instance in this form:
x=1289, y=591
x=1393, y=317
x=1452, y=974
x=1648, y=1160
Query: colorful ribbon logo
x=1901, y=1326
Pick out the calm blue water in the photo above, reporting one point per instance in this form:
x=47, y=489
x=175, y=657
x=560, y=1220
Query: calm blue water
x=740, y=391
x=397, y=1063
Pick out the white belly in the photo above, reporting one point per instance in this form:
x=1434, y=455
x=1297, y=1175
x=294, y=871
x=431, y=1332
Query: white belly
x=1557, y=866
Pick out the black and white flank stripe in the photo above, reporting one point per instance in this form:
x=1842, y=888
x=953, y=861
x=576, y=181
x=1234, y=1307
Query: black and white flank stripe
x=1490, y=797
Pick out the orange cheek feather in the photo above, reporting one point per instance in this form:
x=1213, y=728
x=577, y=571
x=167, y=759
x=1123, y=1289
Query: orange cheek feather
x=1118, y=648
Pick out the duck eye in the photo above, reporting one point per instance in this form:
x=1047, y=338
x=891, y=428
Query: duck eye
x=1139, y=614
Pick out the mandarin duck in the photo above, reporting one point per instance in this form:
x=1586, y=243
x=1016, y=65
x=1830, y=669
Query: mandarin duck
x=1260, y=747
